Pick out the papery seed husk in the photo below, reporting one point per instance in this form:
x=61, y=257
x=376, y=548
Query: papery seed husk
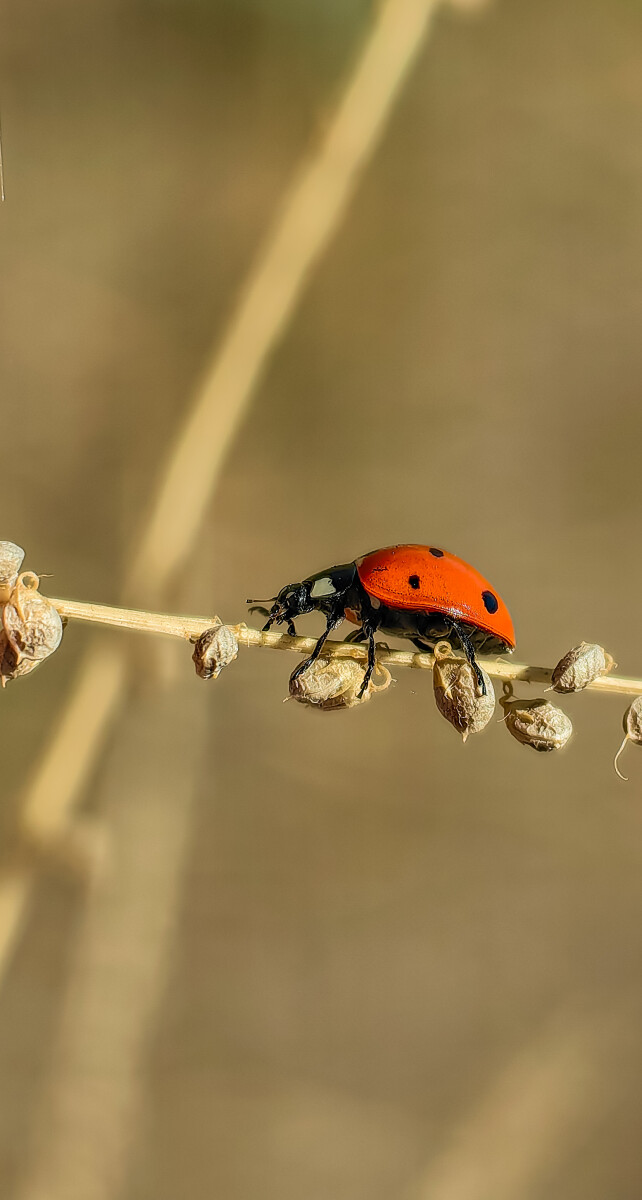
x=632, y=720
x=538, y=724
x=459, y=697
x=329, y=684
x=11, y=559
x=581, y=666
x=11, y=665
x=215, y=649
x=36, y=633
x=632, y=723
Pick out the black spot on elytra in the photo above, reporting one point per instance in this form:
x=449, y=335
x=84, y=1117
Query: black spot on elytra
x=436, y=553
x=414, y=581
x=491, y=603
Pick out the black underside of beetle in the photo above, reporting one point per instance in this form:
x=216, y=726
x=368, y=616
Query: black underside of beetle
x=428, y=628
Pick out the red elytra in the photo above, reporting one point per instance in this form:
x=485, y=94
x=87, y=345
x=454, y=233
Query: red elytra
x=423, y=578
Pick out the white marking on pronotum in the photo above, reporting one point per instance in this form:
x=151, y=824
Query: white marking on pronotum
x=374, y=602
x=322, y=587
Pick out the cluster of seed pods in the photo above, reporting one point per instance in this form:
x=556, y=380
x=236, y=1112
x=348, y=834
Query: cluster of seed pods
x=31, y=627
x=330, y=684
x=536, y=723
x=461, y=700
x=334, y=683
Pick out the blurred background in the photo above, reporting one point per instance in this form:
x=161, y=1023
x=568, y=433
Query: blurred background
x=330, y=957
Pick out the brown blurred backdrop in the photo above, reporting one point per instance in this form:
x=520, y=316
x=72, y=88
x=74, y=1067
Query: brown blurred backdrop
x=341, y=958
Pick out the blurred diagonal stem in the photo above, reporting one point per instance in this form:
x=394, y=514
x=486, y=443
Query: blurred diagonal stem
x=310, y=213
x=309, y=216
x=193, y=627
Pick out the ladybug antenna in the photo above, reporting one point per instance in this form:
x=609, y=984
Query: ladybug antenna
x=267, y=600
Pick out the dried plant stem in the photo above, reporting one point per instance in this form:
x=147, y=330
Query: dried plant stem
x=192, y=627
x=133, y=618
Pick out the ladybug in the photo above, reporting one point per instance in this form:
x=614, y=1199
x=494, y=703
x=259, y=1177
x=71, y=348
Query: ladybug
x=416, y=592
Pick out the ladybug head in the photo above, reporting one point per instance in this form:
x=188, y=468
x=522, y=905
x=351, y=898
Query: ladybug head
x=293, y=600
x=324, y=592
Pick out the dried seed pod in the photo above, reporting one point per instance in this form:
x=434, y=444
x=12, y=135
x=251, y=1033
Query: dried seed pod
x=458, y=693
x=11, y=665
x=11, y=558
x=581, y=666
x=538, y=724
x=215, y=649
x=333, y=683
x=32, y=629
x=632, y=723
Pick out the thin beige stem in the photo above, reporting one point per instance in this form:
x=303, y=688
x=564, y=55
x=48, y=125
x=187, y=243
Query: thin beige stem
x=135, y=619
x=192, y=627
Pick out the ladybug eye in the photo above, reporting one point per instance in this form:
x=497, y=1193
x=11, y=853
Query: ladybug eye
x=491, y=603
x=414, y=581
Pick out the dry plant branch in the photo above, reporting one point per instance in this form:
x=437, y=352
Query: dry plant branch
x=192, y=627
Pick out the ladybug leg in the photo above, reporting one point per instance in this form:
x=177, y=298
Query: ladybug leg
x=289, y=622
x=469, y=651
x=371, y=665
x=369, y=629
x=333, y=619
x=271, y=616
x=259, y=608
x=357, y=635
